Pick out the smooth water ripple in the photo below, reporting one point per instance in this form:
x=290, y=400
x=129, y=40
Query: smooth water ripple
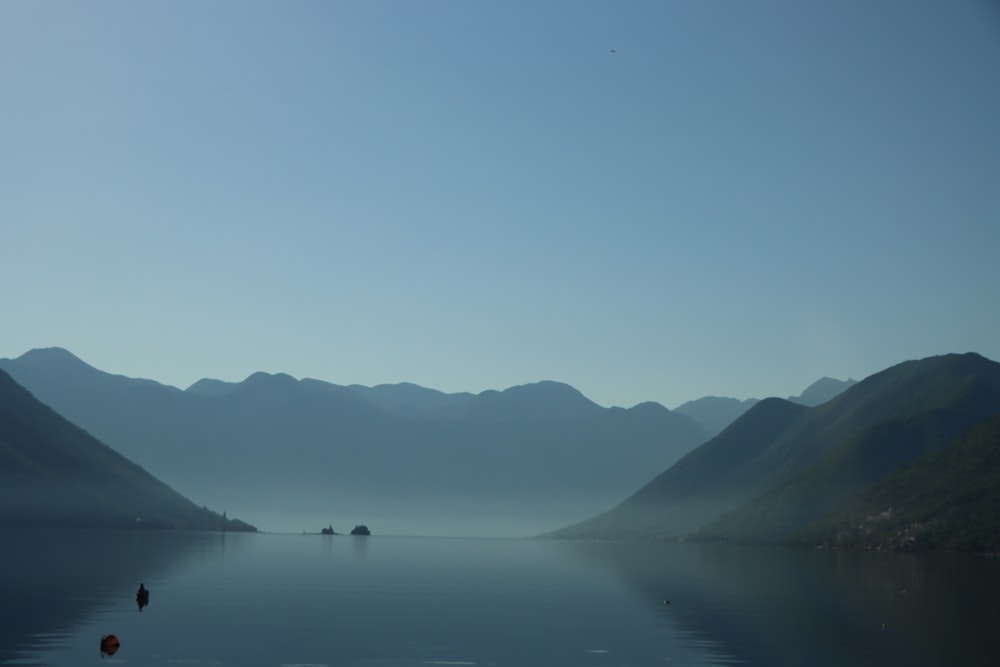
x=325, y=601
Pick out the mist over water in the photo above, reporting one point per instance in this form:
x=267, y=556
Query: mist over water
x=417, y=522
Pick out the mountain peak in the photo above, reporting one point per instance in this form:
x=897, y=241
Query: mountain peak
x=821, y=391
x=49, y=357
x=211, y=387
x=56, y=362
x=261, y=378
x=69, y=368
x=537, y=400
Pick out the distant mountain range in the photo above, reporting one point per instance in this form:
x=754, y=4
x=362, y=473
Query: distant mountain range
x=810, y=469
x=715, y=413
x=531, y=457
x=52, y=473
x=913, y=449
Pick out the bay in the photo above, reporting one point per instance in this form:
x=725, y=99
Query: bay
x=284, y=600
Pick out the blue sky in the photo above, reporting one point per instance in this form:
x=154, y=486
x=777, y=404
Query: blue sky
x=739, y=199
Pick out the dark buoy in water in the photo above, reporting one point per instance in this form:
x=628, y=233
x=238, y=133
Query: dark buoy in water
x=142, y=596
x=109, y=645
x=666, y=602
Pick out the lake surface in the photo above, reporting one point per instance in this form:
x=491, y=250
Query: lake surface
x=311, y=600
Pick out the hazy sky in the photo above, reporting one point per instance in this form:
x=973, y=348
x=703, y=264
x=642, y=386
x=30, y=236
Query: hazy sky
x=647, y=200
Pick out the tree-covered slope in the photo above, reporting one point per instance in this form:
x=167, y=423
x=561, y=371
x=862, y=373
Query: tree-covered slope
x=859, y=461
x=782, y=465
x=947, y=499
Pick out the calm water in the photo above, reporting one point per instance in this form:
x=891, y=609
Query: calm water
x=310, y=600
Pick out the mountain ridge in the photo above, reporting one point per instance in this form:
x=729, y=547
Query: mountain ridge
x=751, y=482
x=408, y=449
x=54, y=473
x=278, y=444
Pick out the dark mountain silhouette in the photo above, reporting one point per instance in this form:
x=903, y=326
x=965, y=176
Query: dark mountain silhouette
x=52, y=473
x=533, y=455
x=782, y=465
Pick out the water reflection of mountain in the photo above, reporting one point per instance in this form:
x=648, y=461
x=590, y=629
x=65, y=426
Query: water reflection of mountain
x=774, y=606
x=51, y=580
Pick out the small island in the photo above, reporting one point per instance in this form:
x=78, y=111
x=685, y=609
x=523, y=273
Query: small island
x=359, y=529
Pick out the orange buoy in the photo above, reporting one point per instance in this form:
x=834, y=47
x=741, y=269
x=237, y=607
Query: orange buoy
x=109, y=645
